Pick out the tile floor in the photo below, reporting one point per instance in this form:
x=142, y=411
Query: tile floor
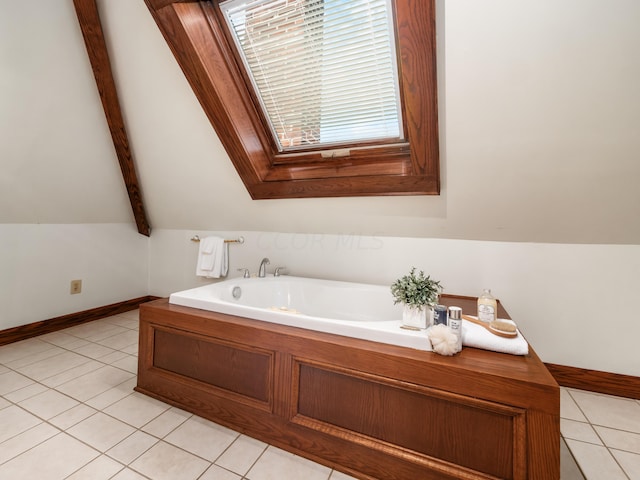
x=68, y=411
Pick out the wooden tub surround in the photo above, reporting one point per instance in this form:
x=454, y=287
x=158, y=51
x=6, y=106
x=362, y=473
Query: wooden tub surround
x=371, y=410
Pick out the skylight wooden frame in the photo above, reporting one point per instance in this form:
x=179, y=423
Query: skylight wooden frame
x=196, y=34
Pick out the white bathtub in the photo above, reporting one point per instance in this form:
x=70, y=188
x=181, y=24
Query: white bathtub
x=351, y=309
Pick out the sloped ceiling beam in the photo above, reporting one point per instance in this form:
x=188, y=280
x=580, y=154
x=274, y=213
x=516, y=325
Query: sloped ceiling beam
x=87, y=12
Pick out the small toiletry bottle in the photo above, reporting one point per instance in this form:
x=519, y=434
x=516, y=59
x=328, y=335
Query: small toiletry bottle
x=440, y=315
x=455, y=324
x=487, y=307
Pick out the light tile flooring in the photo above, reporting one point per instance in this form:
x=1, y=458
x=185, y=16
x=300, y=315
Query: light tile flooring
x=68, y=411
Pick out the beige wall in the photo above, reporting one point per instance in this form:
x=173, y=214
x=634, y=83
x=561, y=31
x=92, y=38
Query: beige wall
x=539, y=105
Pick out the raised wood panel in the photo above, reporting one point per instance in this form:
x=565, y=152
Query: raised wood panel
x=234, y=368
x=464, y=432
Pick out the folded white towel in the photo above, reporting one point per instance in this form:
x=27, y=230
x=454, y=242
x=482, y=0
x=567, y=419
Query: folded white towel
x=224, y=264
x=207, y=253
x=213, y=258
x=479, y=337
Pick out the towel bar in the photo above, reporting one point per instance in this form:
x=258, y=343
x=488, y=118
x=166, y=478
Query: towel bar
x=240, y=240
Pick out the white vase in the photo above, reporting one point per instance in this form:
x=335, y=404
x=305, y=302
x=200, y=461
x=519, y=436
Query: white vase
x=417, y=317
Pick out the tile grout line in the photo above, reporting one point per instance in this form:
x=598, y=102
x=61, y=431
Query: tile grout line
x=604, y=444
x=71, y=351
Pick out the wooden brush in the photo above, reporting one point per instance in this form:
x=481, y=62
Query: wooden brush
x=497, y=327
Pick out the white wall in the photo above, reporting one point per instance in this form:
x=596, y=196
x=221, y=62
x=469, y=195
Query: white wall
x=38, y=262
x=574, y=303
x=64, y=211
x=57, y=161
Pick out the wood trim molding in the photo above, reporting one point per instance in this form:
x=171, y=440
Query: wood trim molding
x=89, y=19
x=158, y=4
x=596, y=381
x=23, y=332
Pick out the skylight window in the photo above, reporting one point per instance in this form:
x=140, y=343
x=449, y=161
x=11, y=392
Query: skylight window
x=282, y=99
x=324, y=71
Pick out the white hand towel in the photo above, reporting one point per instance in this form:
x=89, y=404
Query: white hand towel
x=213, y=261
x=479, y=337
x=207, y=253
x=224, y=262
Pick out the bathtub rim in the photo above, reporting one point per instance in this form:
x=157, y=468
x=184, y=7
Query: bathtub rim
x=382, y=331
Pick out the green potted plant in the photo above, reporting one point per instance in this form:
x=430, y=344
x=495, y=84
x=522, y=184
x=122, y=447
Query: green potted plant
x=419, y=294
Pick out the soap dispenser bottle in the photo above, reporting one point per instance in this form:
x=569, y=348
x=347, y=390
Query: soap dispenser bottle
x=487, y=306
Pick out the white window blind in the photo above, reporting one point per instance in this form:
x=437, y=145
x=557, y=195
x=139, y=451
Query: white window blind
x=324, y=70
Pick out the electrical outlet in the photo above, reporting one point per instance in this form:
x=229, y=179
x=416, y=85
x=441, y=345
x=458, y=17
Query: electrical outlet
x=76, y=287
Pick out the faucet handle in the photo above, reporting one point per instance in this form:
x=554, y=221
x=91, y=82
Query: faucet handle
x=246, y=273
x=277, y=271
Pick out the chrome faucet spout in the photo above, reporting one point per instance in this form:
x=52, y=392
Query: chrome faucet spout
x=262, y=271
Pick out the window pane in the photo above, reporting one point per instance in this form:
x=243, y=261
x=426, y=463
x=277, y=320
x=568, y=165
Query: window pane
x=325, y=70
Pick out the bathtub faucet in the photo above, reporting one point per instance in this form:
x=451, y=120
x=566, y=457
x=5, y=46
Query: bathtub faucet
x=262, y=271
